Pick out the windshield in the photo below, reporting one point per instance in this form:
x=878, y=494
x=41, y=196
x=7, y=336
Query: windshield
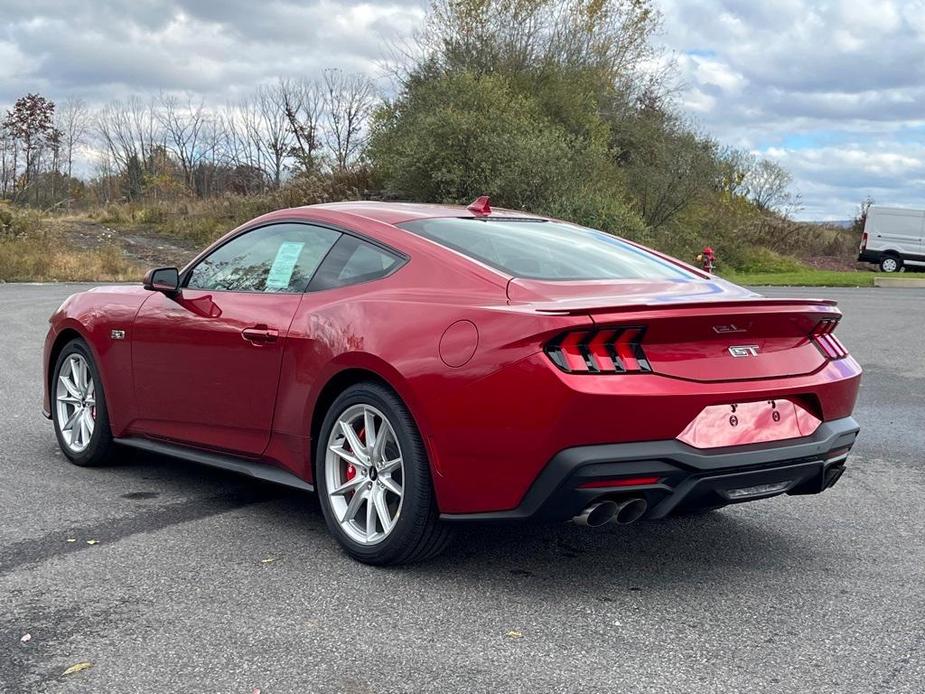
x=541, y=250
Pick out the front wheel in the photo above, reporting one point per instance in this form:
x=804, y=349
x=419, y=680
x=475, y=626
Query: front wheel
x=373, y=479
x=79, y=407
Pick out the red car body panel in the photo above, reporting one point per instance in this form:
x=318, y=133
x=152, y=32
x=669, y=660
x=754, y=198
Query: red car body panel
x=461, y=343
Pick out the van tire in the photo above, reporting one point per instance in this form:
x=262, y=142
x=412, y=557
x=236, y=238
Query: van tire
x=891, y=263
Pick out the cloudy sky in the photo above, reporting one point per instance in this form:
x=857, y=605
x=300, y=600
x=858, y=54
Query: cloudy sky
x=833, y=90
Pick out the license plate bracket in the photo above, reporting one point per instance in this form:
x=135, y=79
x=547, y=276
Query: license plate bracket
x=738, y=424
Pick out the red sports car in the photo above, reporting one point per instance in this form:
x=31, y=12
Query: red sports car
x=420, y=365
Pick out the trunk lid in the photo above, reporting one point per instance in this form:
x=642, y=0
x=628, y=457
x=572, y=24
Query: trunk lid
x=703, y=330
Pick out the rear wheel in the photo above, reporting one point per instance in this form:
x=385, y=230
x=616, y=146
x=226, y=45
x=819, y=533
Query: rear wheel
x=891, y=263
x=374, y=481
x=79, y=407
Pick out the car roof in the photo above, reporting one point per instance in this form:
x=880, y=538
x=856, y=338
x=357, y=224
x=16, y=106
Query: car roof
x=398, y=212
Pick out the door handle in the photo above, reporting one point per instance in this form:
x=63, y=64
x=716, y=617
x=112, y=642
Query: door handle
x=260, y=334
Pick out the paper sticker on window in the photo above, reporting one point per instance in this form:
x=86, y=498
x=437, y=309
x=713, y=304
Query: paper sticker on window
x=283, y=265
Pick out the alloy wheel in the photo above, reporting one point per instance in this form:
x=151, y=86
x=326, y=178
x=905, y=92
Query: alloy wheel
x=75, y=399
x=364, y=474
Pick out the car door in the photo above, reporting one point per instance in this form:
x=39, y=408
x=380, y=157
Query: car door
x=206, y=362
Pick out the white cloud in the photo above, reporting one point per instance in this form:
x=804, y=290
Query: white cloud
x=100, y=49
x=834, y=91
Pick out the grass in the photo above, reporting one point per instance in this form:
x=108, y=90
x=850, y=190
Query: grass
x=47, y=258
x=197, y=221
x=804, y=278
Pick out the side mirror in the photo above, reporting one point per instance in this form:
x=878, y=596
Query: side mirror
x=163, y=279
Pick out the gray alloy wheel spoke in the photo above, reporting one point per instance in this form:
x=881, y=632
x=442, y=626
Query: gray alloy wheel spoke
x=350, y=513
x=382, y=510
x=369, y=428
x=76, y=375
x=370, y=517
x=69, y=424
x=339, y=451
x=388, y=466
x=350, y=485
x=70, y=387
x=359, y=450
x=391, y=485
x=363, y=466
x=75, y=402
x=380, y=443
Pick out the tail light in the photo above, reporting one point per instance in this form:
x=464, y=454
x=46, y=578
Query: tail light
x=608, y=350
x=863, y=240
x=830, y=346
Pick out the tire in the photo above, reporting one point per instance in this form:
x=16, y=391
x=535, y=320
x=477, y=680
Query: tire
x=415, y=532
x=891, y=263
x=89, y=445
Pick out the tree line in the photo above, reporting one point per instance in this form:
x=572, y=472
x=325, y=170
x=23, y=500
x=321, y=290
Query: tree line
x=163, y=146
x=563, y=107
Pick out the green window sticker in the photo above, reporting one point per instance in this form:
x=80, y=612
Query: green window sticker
x=283, y=265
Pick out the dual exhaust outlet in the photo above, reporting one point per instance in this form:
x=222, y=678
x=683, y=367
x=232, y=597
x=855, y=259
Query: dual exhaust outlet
x=621, y=512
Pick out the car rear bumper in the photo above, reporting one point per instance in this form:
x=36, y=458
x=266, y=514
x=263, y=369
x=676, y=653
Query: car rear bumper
x=687, y=478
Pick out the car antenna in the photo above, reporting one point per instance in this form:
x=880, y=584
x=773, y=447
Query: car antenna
x=480, y=206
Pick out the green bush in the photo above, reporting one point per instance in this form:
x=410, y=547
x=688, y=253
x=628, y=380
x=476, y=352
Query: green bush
x=599, y=210
x=455, y=137
x=756, y=259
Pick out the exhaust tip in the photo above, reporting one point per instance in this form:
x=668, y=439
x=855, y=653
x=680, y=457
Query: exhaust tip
x=630, y=511
x=597, y=514
x=833, y=474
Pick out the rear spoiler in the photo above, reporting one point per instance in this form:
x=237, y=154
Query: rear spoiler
x=626, y=305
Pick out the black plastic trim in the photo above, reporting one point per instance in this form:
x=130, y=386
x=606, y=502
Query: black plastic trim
x=259, y=470
x=555, y=494
x=868, y=256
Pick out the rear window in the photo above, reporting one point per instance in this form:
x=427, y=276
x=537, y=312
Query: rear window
x=541, y=250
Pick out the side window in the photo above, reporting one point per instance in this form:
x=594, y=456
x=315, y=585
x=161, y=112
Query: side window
x=352, y=261
x=274, y=258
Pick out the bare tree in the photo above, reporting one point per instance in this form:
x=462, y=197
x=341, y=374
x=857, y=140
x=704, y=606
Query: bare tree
x=304, y=102
x=348, y=102
x=184, y=128
x=272, y=128
x=129, y=129
x=768, y=186
x=7, y=168
x=73, y=120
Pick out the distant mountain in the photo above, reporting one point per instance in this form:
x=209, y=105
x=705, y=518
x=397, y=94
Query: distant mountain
x=840, y=223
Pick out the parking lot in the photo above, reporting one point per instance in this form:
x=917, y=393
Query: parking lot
x=202, y=581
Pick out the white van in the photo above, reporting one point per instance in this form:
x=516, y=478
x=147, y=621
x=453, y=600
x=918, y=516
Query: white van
x=893, y=237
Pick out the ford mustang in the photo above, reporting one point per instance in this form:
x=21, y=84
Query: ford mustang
x=422, y=365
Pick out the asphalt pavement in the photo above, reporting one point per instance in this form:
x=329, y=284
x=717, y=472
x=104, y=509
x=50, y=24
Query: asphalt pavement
x=169, y=577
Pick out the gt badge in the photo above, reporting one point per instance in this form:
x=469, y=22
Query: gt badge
x=744, y=350
x=118, y=334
